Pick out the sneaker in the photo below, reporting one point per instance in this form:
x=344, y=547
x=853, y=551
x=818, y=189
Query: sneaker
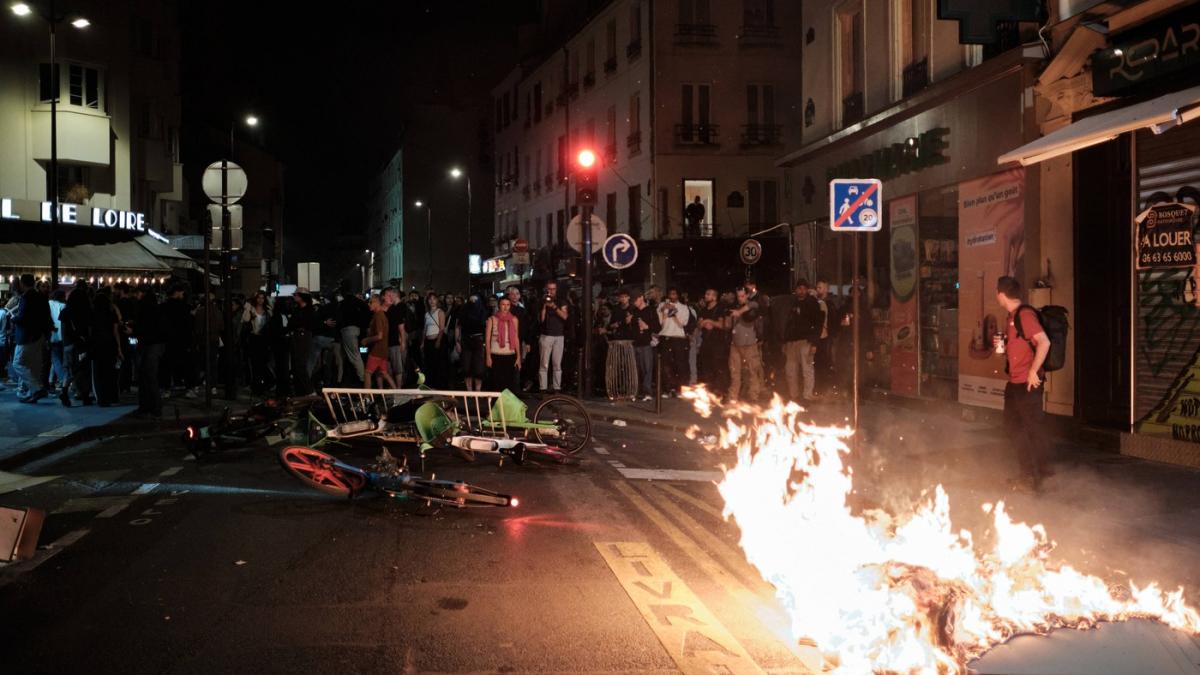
x=647, y=397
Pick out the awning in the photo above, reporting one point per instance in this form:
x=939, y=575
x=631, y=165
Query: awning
x=1159, y=115
x=124, y=255
x=167, y=253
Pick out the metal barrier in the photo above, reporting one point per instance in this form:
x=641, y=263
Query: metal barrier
x=471, y=410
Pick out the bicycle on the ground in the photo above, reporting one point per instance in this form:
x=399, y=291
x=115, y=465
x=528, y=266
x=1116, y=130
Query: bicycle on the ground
x=388, y=475
x=263, y=419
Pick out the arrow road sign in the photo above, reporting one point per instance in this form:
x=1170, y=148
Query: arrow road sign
x=620, y=251
x=854, y=204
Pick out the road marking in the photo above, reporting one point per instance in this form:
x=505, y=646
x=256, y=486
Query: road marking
x=114, y=509
x=601, y=451
x=694, y=501
x=732, y=585
x=81, y=504
x=60, y=431
x=146, y=488
x=616, y=464
x=672, y=474
x=171, y=471
x=688, y=630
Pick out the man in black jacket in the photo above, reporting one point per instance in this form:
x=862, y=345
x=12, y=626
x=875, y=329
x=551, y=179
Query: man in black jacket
x=802, y=331
x=642, y=323
x=152, y=346
x=33, y=326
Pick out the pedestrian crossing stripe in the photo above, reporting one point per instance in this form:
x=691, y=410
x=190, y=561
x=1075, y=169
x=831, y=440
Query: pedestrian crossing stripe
x=688, y=630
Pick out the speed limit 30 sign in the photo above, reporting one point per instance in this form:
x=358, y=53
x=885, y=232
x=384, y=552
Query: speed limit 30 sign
x=750, y=251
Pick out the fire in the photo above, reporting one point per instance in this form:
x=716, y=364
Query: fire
x=905, y=593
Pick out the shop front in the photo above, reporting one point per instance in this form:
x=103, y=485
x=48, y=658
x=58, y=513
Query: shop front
x=1136, y=193
x=953, y=223
x=103, y=246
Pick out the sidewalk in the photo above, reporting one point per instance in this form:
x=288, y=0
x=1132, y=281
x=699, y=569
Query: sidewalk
x=28, y=432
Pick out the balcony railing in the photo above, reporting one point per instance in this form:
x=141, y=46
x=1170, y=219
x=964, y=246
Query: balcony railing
x=695, y=33
x=762, y=134
x=610, y=65
x=633, y=49
x=634, y=142
x=610, y=152
x=915, y=77
x=852, y=109
x=696, y=134
x=757, y=35
x=589, y=80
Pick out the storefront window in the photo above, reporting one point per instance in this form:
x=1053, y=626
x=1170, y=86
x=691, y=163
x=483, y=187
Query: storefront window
x=937, y=232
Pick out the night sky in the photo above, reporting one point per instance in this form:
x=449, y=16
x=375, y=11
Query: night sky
x=336, y=86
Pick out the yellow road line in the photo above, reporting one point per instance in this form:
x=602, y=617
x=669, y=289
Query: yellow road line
x=712, y=544
x=688, y=630
x=698, y=503
x=732, y=585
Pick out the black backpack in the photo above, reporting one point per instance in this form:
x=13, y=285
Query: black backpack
x=1053, y=319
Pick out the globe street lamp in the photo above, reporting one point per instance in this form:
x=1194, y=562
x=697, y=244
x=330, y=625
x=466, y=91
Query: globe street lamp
x=428, y=239
x=457, y=173
x=52, y=19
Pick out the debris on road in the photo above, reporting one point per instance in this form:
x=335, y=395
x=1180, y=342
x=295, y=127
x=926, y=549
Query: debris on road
x=620, y=423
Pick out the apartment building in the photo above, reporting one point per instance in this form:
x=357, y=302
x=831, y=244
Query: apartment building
x=681, y=99
x=384, y=255
x=117, y=87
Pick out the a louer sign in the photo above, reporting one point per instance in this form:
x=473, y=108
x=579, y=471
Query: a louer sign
x=72, y=214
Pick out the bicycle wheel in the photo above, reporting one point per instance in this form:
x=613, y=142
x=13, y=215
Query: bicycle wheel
x=454, y=493
x=322, y=471
x=562, y=422
x=546, y=453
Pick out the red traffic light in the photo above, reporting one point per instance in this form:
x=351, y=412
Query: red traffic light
x=586, y=159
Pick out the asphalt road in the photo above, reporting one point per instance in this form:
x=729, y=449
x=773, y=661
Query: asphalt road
x=163, y=564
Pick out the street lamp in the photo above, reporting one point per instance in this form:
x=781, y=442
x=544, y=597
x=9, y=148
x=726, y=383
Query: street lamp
x=428, y=239
x=456, y=173
x=52, y=19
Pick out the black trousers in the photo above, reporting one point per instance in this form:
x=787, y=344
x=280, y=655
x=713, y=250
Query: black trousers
x=676, y=369
x=79, y=370
x=301, y=349
x=712, y=363
x=1025, y=422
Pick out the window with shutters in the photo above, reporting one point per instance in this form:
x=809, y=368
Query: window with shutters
x=695, y=126
x=634, y=48
x=912, y=27
x=850, y=69
x=635, y=211
x=695, y=25
x=610, y=145
x=634, y=140
x=610, y=47
x=763, y=200
x=760, y=128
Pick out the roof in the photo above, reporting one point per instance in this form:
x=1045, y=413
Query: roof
x=165, y=252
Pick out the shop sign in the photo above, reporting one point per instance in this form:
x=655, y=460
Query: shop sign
x=913, y=154
x=1148, y=53
x=494, y=265
x=72, y=214
x=1165, y=236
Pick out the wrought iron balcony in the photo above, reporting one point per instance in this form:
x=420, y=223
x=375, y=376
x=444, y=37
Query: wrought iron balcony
x=634, y=141
x=695, y=33
x=916, y=77
x=633, y=49
x=759, y=35
x=762, y=134
x=696, y=134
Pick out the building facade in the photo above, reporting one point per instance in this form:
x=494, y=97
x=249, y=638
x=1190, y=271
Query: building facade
x=117, y=90
x=385, y=224
x=680, y=99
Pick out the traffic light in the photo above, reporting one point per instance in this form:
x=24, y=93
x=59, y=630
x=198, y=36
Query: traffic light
x=585, y=177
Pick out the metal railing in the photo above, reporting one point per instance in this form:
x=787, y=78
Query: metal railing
x=696, y=134
x=762, y=134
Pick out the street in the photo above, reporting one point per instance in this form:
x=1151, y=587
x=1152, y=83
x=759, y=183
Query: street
x=158, y=563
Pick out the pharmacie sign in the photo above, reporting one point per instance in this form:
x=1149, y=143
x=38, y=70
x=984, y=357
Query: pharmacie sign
x=1165, y=236
x=72, y=214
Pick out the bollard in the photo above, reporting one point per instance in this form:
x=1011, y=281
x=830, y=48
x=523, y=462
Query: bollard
x=657, y=384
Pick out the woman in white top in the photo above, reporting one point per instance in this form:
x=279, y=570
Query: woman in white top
x=435, y=360
x=254, y=330
x=503, y=348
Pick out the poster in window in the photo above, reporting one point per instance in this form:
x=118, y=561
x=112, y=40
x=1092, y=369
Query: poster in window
x=991, y=231
x=902, y=215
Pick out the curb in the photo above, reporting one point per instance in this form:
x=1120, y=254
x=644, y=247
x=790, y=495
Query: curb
x=86, y=434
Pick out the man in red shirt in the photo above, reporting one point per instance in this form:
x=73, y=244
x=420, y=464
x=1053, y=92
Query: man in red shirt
x=1024, y=417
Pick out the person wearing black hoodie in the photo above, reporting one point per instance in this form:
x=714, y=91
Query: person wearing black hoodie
x=76, y=320
x=152, y=345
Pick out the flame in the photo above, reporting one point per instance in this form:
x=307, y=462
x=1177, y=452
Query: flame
x=906, y=593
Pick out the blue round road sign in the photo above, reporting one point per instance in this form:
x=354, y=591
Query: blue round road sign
x=620, y=251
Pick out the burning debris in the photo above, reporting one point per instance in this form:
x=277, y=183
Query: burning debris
x=898, y=592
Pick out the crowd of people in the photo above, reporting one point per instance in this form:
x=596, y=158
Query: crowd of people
x=93, y=345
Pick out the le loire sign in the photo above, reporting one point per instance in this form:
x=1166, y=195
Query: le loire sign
x=72, y=214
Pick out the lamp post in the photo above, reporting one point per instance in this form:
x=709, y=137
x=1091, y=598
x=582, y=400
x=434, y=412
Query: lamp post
x=428, y=239
x=457, y=173
x=226, y=248
x=52, y=18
